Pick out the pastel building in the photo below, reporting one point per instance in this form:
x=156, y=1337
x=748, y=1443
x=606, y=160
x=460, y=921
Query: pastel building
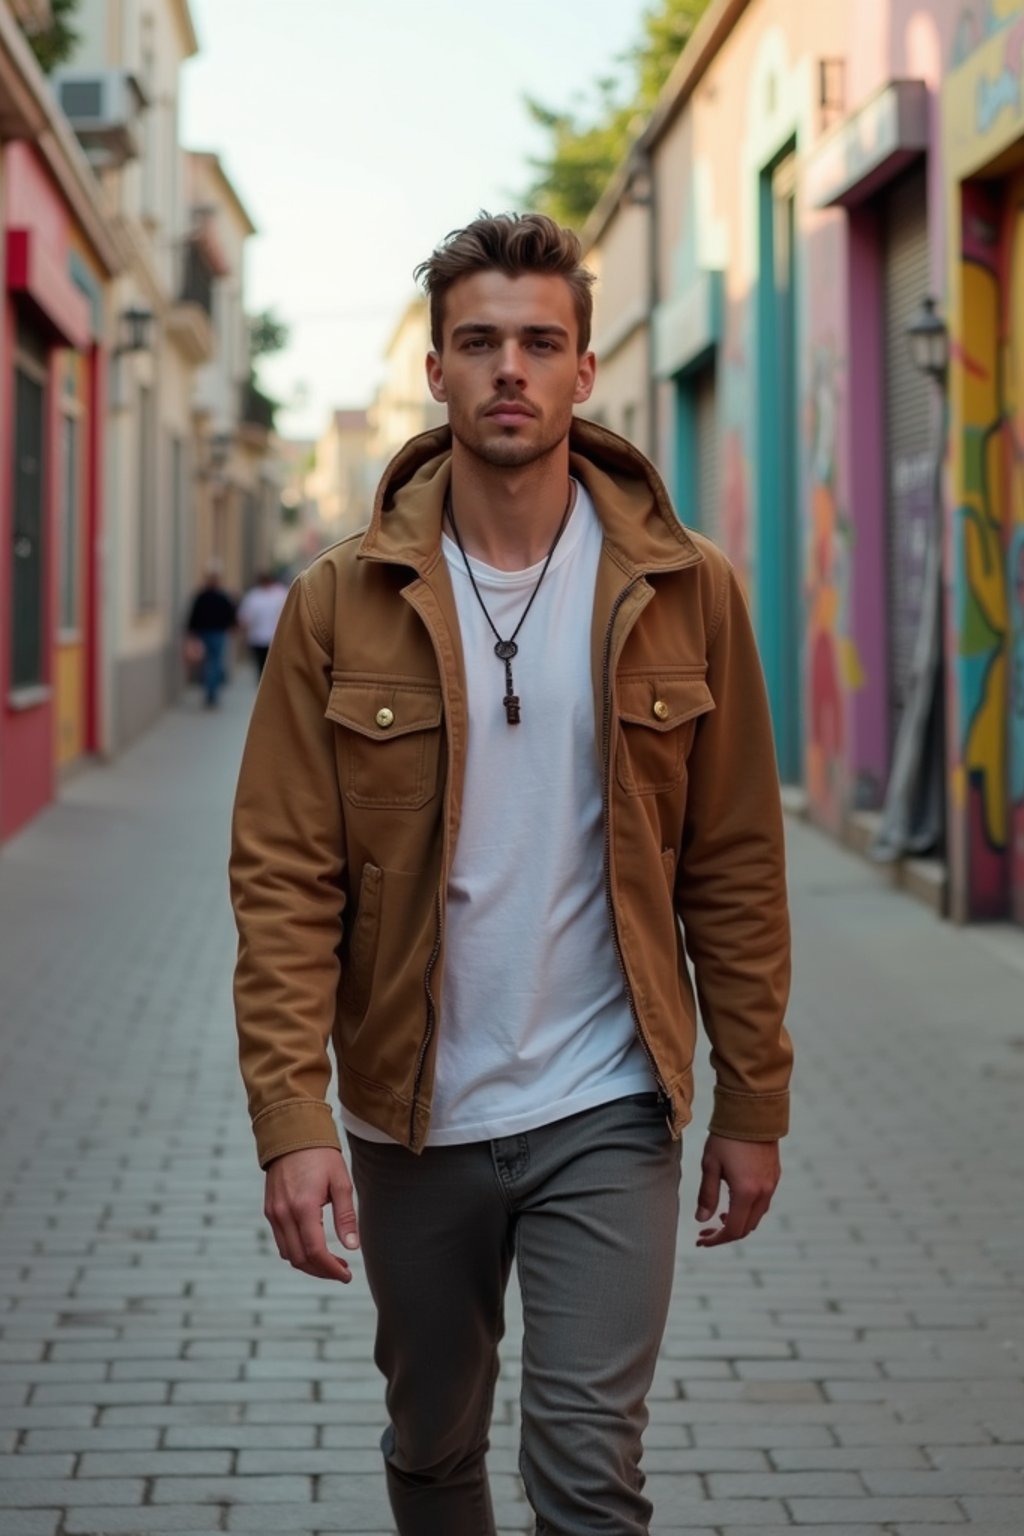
x=812, y=176
x=58, y=257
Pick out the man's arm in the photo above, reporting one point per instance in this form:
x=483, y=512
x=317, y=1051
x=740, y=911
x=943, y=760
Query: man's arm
x=287, y=888
x=287, y=874
x=731, y=896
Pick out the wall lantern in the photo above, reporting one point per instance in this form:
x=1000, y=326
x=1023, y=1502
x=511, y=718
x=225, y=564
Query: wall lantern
x=929, y=341
x=135, y=323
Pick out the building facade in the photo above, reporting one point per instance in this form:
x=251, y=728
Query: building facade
x=404, y=405
x=59, y=259
x=121, y=92
x=341, y=479
x=811, y=176
x=236, y=486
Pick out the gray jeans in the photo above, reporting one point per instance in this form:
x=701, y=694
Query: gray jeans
x=588, y=1206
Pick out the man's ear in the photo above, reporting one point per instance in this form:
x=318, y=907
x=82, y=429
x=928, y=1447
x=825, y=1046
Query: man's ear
x=585, y=375
x=435, y=378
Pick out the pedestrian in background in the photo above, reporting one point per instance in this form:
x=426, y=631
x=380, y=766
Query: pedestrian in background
x=212, y=617
x=258, y=613
x=505, y=743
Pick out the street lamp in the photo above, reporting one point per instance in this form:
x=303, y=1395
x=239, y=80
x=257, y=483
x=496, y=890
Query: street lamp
x=929, y=342
x=135, y=324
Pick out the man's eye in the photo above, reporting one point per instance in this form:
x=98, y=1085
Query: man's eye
x=543, y=344
x=476, y=343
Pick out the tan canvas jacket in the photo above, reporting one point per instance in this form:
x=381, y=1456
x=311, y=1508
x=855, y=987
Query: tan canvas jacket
x=347, y=814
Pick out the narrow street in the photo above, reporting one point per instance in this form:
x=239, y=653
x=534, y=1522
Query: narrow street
x=855, y=1368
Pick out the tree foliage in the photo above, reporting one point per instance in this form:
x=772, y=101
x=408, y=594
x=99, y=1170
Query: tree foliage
x=587, y=142
x=53, y=45
x=266, y=334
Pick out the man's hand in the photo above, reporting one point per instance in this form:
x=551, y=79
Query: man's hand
x=751, y=1171
x=299, y=1185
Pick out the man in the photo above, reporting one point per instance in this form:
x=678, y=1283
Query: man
x=507, y=739
x=211, y=619
x=258, y=614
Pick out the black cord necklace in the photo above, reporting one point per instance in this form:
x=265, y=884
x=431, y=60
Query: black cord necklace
x=505, y=650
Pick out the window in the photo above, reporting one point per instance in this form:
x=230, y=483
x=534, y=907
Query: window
x=70, y=561
x=147, y=502
x=27, y=606
x=69, y=519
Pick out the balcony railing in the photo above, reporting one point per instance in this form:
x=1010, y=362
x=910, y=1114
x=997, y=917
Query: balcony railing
x=196, y=277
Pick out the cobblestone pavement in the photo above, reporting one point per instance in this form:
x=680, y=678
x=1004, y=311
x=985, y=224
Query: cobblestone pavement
x=855, y=1368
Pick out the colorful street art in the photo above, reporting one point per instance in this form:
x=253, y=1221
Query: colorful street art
x=989, y=495
x=834, y=666
x=978, y=22
x=1014, y=436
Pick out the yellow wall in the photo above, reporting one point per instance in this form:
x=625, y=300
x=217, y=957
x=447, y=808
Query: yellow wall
x=69, y=715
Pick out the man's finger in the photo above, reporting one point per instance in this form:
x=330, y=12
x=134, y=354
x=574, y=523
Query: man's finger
x=733, y=1227
x=345, y=1223
x=317, y=1258
x=710, y=1189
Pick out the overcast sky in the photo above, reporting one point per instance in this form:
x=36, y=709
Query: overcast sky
x=358, y=132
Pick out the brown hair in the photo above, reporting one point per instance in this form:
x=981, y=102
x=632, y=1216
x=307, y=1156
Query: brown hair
x=512, y=243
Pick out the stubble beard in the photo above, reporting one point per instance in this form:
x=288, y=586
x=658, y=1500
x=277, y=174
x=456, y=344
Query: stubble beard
x=511, y=451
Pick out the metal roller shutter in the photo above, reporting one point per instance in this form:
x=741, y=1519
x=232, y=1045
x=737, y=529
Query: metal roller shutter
x=908, y=408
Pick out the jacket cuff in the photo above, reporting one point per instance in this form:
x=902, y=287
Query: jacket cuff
x=750, y=1116
x=290, y=1126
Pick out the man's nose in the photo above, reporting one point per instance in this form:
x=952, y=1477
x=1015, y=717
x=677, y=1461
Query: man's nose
x=508, y=365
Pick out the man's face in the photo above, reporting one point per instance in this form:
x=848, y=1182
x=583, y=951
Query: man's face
x=508, y=369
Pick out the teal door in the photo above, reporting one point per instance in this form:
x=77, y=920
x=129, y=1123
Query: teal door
x=778, y=611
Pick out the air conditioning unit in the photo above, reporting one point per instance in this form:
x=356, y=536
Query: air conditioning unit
x=103, y=108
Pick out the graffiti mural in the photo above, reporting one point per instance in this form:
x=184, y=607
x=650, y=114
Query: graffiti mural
x=978, y=22
x=1013, y=373
x=834, y=666
x=981, y=571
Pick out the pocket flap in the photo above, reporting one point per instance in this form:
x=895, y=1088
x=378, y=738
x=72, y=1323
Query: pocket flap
x=383, y=710
x=663, y=702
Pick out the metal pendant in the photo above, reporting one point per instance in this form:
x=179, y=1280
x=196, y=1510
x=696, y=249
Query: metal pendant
x=506, y=649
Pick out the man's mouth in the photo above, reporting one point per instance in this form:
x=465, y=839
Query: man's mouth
x=507, y=413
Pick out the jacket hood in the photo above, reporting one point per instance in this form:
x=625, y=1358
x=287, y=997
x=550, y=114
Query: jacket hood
x=626, y=489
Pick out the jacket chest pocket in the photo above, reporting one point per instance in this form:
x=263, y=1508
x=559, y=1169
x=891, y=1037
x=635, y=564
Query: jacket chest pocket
x=389, y=741
x=658, y=714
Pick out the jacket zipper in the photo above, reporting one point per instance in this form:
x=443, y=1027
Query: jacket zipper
x=664, y=1098
x=428, y=1033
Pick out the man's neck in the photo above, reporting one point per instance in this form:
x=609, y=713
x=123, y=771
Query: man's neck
x=507, y=518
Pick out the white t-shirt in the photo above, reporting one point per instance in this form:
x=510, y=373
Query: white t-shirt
x=534, y=1021
x=260, y=610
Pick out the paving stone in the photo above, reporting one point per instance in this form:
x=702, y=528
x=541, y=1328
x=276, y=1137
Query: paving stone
x=221, y=1490
x=887, y=1511
x=115, y=1520
x=161, y=1463
x=30, y=1522
x=35, y=1466
x=241, y=1437
x=784, y=1485
x=88, y=1438
x=28, y=1493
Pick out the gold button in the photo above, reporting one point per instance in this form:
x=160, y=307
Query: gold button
x=661, y=709
x=385, y=717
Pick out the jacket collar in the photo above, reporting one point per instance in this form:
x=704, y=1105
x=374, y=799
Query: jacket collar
x=627, y=492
